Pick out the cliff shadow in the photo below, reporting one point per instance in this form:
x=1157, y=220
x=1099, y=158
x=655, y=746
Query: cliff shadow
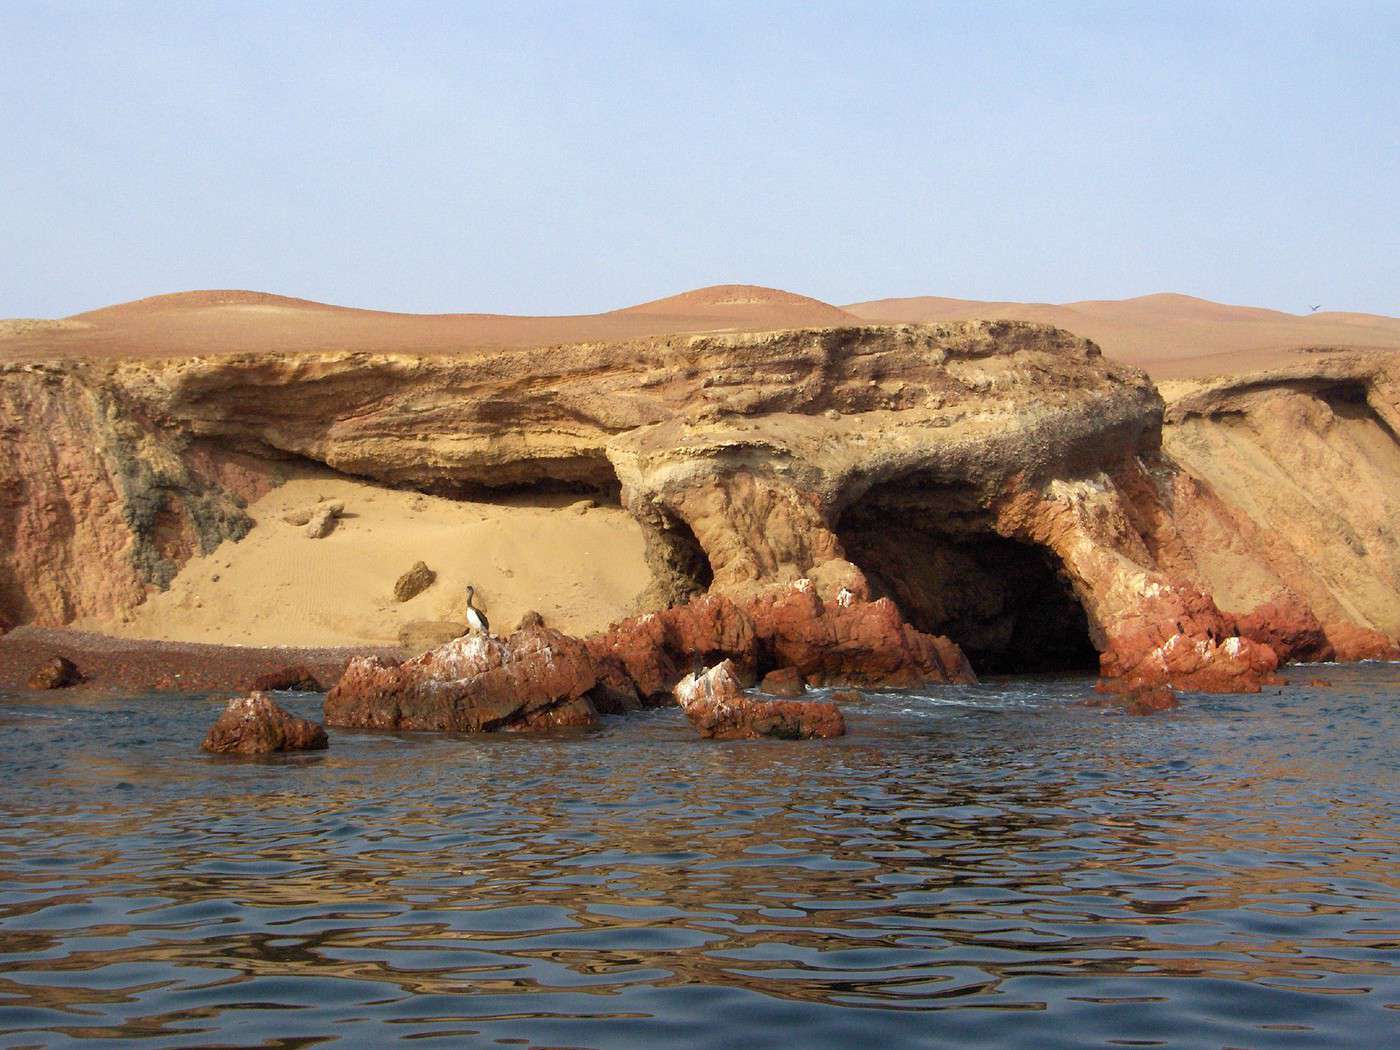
x=1007, y=604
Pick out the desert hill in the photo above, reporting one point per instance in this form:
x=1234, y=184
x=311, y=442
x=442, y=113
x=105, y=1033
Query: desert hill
x=1169, y=335
x=236, y=321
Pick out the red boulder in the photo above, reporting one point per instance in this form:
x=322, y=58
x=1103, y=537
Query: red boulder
x=57, y=672
x=254, y=725
x=536, y=679
x=716, y=706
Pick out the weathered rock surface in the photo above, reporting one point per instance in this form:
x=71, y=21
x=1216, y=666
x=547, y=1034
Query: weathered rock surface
x=714, y=702
x=414, y=582
x=58, y=672
x=536, y=679
x=254, y=725
x=855, y=502
x=295, y=678
x=323, y=521
x=785, y=681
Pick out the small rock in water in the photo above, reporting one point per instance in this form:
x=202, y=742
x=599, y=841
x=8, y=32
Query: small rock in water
x=254, y=725
x=785, y=681
x=846, y=696
x=414, y=582
x=58, y=672
x=716, y=706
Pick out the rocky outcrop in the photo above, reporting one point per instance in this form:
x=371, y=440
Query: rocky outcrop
x=865, y=504
x=535, y=679
x=254, y=725
x=57, y=672
x=714, y=703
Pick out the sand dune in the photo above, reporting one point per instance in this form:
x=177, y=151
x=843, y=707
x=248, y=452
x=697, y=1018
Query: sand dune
x=1169, y=335
x=220, y=322
x=1172, y=336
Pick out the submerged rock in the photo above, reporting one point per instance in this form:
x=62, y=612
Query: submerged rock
x=254, y=725
x=414, y=582
x=714, y=702
x=58, y=672
x=538, y=678
x=1143, y=700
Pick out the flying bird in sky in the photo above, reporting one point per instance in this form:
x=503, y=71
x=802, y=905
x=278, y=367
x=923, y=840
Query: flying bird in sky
x=1316, y=308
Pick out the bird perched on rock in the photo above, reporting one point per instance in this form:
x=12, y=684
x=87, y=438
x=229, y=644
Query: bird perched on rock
x=476, y=619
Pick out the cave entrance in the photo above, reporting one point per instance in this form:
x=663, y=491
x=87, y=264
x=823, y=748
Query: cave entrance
x=1007, y=604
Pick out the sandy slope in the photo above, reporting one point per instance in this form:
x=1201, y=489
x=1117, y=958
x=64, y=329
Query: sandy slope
x=1169, y=335
x=279, y=587
x=221, y=322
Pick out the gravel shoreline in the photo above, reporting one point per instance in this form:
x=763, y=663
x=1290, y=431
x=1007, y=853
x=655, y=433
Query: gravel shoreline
x=131, y=664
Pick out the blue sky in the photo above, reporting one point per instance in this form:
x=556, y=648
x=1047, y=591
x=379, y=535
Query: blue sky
x=556, y=158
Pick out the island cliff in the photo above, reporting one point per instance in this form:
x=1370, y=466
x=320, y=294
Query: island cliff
x=866, y=503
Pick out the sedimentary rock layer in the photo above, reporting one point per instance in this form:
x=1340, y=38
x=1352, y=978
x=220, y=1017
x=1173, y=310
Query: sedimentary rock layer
x=856, y=494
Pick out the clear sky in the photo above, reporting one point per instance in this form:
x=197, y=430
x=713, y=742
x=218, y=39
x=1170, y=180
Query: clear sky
x=572, y=157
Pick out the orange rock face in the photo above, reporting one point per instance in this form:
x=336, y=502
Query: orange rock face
x=714, y=702
x=536, y=679
x=846, y=641
x=254, y=725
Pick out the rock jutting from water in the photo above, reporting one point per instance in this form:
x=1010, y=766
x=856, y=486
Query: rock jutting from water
x=536, y=679
x=254, y=725
x=715, y=704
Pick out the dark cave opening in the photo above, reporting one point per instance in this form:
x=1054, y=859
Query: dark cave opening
x=1007, y=604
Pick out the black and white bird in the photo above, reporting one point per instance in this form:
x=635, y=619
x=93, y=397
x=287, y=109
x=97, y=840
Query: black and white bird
x=476, y=619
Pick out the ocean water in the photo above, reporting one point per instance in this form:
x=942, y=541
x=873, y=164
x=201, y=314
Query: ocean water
x=973, y=866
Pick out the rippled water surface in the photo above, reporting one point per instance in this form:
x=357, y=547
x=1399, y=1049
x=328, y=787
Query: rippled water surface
x=986, y=865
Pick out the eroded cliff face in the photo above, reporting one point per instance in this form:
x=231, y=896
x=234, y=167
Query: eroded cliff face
x=999, y=483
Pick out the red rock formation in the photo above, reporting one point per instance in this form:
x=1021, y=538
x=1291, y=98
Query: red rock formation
x=850, y=641
x=658, y=648
x=714, y=703
x=536, y=679
x=1287, y=626
x=846, y=641
x=254, y=725
x=785, y=681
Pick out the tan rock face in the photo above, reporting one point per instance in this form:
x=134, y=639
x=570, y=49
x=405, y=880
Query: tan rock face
x=862, y=498
x=254, y=725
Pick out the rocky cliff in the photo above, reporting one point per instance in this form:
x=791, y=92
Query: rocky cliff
x=1000, y=483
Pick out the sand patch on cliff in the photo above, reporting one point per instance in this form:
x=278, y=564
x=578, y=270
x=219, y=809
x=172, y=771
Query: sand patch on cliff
x=277, y=586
